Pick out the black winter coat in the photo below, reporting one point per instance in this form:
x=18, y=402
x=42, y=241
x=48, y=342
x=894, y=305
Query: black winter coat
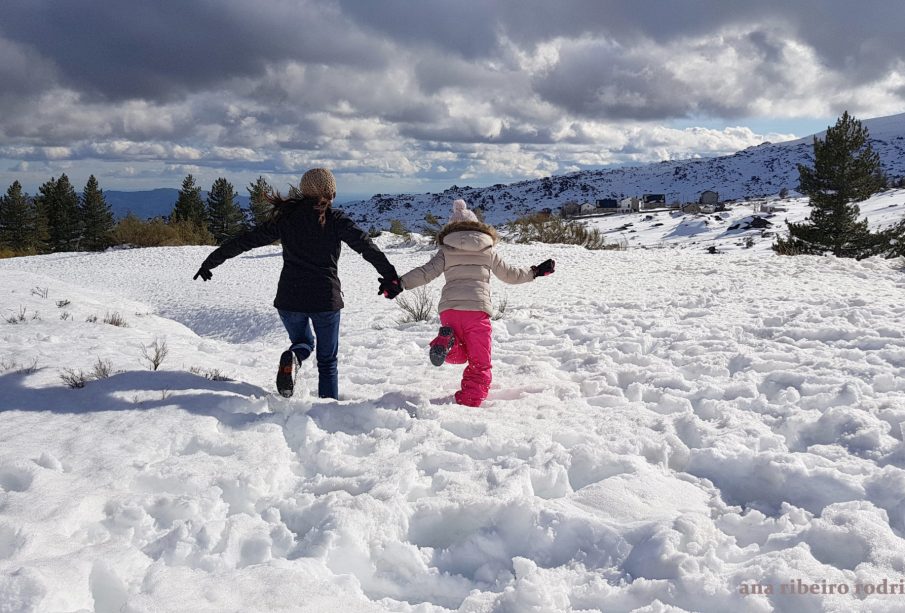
x=309, y=282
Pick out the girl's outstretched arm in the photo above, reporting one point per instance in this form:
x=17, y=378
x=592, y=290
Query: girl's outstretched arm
x=425, y=274
x=510, y=274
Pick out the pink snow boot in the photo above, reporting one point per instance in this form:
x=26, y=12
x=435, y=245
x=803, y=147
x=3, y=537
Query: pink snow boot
x=442, y=345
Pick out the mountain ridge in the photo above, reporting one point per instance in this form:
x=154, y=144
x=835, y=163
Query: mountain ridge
x=756, y=171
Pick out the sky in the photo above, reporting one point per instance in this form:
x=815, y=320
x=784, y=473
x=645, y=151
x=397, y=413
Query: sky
x=418, y=95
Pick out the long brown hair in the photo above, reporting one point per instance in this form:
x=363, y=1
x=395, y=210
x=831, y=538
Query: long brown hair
x=295, y=198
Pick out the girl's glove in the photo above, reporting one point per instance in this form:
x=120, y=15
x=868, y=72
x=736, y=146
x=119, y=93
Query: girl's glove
x=544, y=268
x=204, y=272
x=390, y=288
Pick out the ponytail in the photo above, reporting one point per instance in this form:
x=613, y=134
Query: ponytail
x=280, y=204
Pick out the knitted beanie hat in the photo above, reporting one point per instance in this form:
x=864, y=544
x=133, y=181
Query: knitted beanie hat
x=461, y=212
x=319, y=183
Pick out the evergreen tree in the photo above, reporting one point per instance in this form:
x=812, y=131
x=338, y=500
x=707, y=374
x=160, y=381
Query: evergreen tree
x=97, y=218
x=189, y=206
x=59, y=203
x=225, y=218
x=846, y=170
x=260, y=208
x=18, y=221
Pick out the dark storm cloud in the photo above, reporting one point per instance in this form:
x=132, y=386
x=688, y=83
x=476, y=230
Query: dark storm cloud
x=155, y=50
x=861, y=41
x=171, y=48
x=375, y=86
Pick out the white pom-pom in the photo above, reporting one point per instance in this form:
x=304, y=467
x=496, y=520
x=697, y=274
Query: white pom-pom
x=459, y=205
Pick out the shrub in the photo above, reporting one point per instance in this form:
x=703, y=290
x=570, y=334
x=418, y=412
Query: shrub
x=398, y=228
x=115, y=319
x=135, y=232
x=102, y=369
x=431, y=226
x=155, y=353
x=213, y=374
x=188, y=233
x=6, y=252
x=74, y=379
x=27, y=369
x=545, y=229
x=417, y=305
x=17, y=317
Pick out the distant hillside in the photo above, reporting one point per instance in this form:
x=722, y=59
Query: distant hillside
x=755, y=172
x=151, y=203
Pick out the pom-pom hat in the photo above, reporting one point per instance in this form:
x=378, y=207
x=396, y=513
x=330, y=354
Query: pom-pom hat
x=461, y=212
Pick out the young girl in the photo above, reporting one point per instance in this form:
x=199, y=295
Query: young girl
x=309, y=292
x=467, y=258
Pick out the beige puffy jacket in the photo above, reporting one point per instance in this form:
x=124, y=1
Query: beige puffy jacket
x=467, y=258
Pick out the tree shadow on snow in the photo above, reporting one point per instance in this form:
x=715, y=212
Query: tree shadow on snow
x=233, y=403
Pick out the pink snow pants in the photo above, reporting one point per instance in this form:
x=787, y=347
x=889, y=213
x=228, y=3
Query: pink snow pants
x=472, y=331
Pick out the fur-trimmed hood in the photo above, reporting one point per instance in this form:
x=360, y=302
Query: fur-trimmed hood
x=467, y=226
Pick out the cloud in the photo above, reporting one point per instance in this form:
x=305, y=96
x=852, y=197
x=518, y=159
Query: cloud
x=164, y=49
x=426, y=91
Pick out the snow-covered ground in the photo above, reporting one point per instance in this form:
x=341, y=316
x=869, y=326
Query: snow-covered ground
x=662, y=434
x=731, y=230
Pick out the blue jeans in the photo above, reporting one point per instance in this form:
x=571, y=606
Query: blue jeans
x=326, y=330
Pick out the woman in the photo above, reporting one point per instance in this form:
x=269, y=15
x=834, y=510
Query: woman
x=309, y=293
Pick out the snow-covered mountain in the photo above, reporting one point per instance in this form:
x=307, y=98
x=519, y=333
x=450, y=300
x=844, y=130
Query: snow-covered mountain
x=757, y=171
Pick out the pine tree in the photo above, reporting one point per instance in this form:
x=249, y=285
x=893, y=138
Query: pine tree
x=846, y=170
x=97, y=218
x=189, y=206
x=59, y=203
x=260, y=208
x=18, y=221
x=225, y=218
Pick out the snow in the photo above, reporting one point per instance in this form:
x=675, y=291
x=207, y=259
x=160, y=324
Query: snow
x=729, y=230
x=660, y=432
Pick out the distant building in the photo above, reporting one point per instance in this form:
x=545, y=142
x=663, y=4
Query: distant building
x=629, y=205
x=587, y=208
x=607, y=203
x=653, y=198
x=709, y=197
x=570, y=209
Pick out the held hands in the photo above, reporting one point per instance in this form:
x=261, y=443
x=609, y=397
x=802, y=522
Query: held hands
x=390, y=288
x=543, y=269
x=204, y=272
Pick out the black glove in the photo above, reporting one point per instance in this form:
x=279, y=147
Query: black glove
x=544, y=268
x=204, y=272
x=390, y=288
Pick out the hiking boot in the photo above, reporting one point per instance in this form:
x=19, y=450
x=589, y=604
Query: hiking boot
x=442, y=345
x=285, y=374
